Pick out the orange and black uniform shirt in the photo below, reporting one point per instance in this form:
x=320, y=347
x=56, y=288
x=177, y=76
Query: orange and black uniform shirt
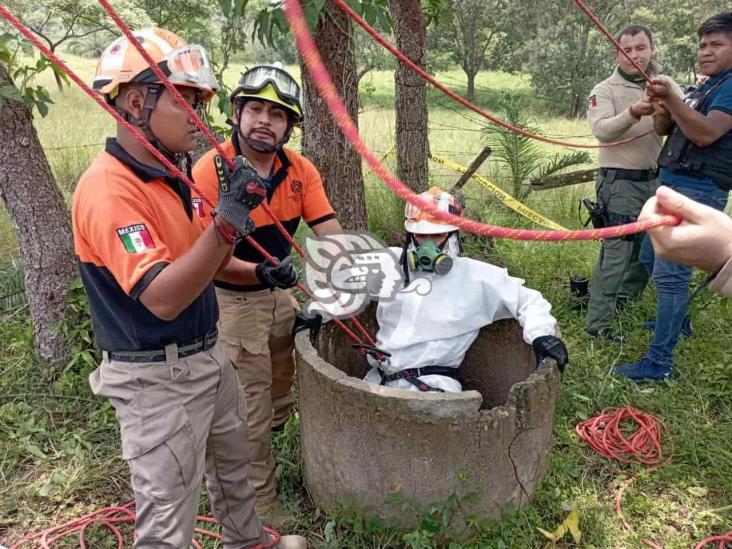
x=295, y=190
x=131, y=221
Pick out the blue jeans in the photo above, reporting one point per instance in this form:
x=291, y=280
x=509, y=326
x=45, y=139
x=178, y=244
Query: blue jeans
x=672, y=283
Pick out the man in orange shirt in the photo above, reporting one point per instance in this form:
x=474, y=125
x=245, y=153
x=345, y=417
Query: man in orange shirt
x=257, y=310
x=147, y=264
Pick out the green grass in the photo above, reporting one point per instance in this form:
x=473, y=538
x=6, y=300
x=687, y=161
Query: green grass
x=60, y=457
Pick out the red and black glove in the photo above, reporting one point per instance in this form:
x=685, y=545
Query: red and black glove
x=240, y=191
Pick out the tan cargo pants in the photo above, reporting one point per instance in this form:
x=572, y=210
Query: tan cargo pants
x=179, y=419
x=256, y=327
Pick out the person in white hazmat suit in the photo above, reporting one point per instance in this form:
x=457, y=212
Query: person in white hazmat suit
x=427, y=335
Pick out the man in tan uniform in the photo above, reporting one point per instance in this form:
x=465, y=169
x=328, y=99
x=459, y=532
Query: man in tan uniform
x=618, y=109
x=147, y=264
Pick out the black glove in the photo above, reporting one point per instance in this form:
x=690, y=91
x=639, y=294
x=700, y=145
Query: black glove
x=550, y=347
x=282, y=275
x=305, y=321
x=240, y=190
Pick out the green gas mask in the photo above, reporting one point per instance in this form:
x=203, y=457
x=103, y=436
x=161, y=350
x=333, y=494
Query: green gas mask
x=428, y=257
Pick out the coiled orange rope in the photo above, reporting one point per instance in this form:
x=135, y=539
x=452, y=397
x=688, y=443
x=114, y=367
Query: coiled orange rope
x=627, y=435
x=109, y=518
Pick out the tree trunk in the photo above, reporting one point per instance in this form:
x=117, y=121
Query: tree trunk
x=578, y=95
x=37, y=208
x=59, y=82
x=202, y=144
x=322, y=142
x=56, y=75
x=412, y=139
x=575, y=107
x=471, y=86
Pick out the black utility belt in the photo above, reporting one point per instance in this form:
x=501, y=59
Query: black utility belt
x=242, y=289
x=171, y=351
x=631, y=175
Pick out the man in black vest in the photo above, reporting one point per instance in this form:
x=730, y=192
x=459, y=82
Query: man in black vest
x=696, y=161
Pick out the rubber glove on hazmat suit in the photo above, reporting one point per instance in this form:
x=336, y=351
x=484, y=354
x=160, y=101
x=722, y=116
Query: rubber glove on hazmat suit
x=446, y=300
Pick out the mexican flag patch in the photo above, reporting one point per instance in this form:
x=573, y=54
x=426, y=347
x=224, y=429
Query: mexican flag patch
x=136, y=238
x=198, y=206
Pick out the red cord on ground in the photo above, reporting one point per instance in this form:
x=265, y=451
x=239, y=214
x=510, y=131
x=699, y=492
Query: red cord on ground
x=110, y=517
x=724, y=541
x=627, y=435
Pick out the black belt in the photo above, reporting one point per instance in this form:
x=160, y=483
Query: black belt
x=631, y=175
x=160, y=355
x=411, y=375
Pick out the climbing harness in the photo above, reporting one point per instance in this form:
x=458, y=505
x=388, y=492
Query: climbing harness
x=412, y=375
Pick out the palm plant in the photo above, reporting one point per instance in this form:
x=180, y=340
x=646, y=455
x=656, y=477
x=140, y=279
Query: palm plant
x=523, y=158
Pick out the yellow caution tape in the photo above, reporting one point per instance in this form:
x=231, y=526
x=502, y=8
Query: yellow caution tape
x=502, y=195
x=383, y=157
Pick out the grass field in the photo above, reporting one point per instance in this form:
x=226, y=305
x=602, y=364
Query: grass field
x=60, y=456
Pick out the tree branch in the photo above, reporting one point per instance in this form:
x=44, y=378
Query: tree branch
x=39, y=33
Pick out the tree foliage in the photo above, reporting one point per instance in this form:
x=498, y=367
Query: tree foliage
x=471, y=33
x=674, y=23
x=73, y=21
x=564, y=53
x=556, y=44
x=14, y=54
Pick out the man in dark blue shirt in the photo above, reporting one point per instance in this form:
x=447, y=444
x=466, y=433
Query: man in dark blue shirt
x=696, y=161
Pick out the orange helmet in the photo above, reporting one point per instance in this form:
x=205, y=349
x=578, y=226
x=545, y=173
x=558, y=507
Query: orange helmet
x=184, y=65
x=417, y=220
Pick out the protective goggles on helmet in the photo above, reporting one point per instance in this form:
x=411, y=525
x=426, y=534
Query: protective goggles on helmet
x=190, y=66
x=186, y=66
x=257, y=78
x=412, y=212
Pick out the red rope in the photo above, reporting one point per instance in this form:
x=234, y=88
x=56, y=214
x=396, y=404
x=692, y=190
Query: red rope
x=340, y=4
x=321, y=78
x=627, y=435
x=174, y=170
x=192, y=114
x=211, y=138
x=588, y=12
x=623, y=520
x=724, y=541
x=110, y=517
